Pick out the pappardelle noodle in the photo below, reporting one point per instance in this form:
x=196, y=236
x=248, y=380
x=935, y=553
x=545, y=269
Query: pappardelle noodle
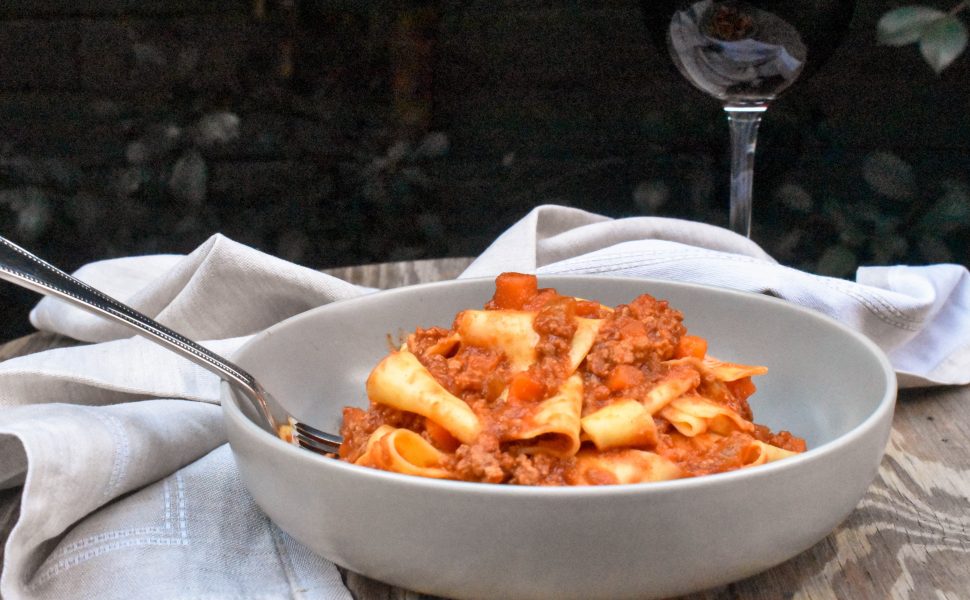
x=543, y=389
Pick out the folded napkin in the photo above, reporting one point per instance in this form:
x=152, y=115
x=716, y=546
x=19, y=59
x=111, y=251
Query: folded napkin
x=117, y=448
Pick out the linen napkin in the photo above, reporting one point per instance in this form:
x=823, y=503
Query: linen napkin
x=128, y=486
x=117, y=448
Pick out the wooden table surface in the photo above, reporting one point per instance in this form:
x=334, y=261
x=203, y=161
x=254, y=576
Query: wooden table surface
x=908, y=538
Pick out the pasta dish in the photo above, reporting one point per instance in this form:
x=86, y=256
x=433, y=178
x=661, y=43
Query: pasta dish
x=539, y=388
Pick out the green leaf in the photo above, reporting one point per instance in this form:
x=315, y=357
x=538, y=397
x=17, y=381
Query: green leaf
x=889, y=175
x=888, y=249
x=795, y=197
x=837, y=261
x=942, y=41
x=934, y=250
x=904, y=25
x=189, y=178
x=951, y=211
x=852, y=236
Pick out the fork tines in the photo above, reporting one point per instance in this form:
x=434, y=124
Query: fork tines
x=313, y=439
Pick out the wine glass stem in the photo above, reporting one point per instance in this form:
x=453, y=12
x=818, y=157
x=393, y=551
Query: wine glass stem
x=743, y=121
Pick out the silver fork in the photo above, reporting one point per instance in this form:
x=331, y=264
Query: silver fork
x=26, y=270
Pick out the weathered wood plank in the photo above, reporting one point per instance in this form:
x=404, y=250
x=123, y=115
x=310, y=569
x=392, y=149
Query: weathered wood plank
x=397, y=274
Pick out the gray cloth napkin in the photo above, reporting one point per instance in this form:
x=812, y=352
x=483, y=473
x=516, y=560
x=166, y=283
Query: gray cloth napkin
x=127, y=483
x=129, y=488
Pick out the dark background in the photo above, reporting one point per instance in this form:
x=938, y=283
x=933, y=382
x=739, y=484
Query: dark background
x=339, y=132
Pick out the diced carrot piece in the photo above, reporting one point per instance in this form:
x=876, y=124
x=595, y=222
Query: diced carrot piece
x=741, y=388
x=587, y=308
x=623, y=377
x=691, y=345
x=514, y=290
x=441, y=438
x=524, y=387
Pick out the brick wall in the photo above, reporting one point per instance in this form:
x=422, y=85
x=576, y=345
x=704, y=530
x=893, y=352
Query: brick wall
x=336, y=132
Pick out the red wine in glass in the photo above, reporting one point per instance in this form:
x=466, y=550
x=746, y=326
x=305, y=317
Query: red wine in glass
x=745, y=53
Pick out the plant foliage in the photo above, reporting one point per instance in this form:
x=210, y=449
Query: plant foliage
x=941, y=36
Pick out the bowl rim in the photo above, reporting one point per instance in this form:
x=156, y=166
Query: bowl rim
x=883, y=410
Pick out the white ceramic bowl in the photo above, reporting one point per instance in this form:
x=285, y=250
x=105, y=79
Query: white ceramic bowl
x=826, y=383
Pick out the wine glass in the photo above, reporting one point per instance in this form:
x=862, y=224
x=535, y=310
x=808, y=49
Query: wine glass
x=745, y=53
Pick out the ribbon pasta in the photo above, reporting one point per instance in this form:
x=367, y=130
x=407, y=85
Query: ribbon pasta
x=692, y=414
x=539, y=388
x=554, y=426
x=401, y=381
x=510, y=331
x=625, y=423
x=403, y=451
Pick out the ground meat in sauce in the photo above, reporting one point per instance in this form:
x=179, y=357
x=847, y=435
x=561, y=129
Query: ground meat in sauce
x=540, y=469
x=469, y=372
x=487, y=461
x=422, y=340
x=479, y=462
x=696, y=459
x=358, y=425
x=645, y=332
x=782, y=439
x=556, y=325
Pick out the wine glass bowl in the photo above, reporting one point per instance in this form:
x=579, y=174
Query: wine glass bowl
x=744, y=54
x=736, y=53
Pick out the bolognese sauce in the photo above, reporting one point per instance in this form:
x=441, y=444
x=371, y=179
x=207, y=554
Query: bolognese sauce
x=639, y=351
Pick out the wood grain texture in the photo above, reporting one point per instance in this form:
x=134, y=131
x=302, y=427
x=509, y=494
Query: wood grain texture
x=908, y=539
x=397, y=274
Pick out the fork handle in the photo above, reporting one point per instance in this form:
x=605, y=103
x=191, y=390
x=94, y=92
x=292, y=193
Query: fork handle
x=26, y=270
